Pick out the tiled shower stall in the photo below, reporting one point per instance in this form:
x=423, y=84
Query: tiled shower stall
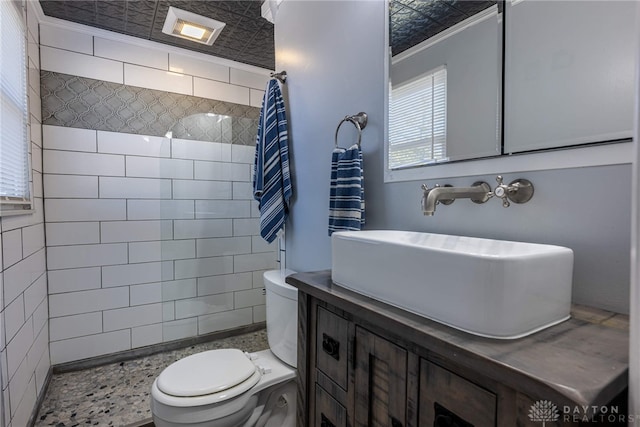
x=152, y=231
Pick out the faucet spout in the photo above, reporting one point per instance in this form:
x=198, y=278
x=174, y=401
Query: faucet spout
x=479, y=192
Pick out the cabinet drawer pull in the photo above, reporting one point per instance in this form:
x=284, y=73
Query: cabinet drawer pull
x=395, y=422
x=331, y=346
x=324, y=421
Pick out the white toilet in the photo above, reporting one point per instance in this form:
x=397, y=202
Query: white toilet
x=230, y=388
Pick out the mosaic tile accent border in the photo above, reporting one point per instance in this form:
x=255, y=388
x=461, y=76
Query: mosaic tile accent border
x=80, y=102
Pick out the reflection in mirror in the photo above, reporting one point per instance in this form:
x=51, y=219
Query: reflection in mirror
x=445, y=81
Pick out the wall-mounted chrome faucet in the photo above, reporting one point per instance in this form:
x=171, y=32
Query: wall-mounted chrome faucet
x=518, y=191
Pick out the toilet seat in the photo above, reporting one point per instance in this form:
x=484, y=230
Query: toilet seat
x=205, y=378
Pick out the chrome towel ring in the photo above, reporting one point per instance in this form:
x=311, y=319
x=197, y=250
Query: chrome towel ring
x=359, y=121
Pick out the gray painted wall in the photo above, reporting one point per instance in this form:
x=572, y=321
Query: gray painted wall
x=585, y=209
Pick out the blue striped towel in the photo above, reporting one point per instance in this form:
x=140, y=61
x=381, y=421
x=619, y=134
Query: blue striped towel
x=271, y=178
x=346, y=190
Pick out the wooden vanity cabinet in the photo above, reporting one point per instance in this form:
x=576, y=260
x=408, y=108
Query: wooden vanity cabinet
x=360, y=378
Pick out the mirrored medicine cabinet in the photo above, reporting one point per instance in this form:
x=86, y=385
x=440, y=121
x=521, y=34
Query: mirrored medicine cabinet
x=480, y=79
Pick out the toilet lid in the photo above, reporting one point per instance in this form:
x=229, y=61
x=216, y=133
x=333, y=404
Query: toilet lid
x=206, y=373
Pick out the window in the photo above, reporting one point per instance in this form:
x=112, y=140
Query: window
x=418, y=120
x=14, y=156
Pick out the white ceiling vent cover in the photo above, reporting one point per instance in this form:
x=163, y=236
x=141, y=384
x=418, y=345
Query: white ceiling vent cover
x=191, y=26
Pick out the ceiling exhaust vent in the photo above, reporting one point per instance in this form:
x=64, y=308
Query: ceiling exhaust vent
x=191, y=26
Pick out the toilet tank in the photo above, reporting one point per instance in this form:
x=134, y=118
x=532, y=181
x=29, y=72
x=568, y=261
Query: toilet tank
x=282, y=316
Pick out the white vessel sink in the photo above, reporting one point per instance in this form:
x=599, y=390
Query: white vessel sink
x=491, y=288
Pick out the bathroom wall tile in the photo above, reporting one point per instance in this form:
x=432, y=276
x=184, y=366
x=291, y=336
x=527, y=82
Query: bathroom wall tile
x=246, y=227
x=36, y=159
x=253, y=262
x=143, y=336
x=19, y=384
x=38, y=191
x=223, y=246
x=70, y=186
x=131, y=274
x=221, y=91
x=150, y=78
x=35, y=130
x=135, y=231
x=197, y=67
x=131, y=317
x=62, y=257
x=201, y=189
x=147, y=293
x=39, y=347
x=201, y=150
x=35, y=102
x=42, y=371
x=202, y=228
x=242, y=191
x=168, y=312
x=178, y=289
x=249, y=79
x=27, y=401
x=34, y=295
x=259, y=313
x=179, y=329
x=77, y=64
x=61, y=210
x=18, y=347
x=258, y=244
x=132, y=144
x=186, y=269
x=13, y=317
x=204, y=305
x=134, y=188
x=78, y=279
x=150, y=167
x=249, y=298
x=130, y=53
x=90, y=346
x=65, y=39
x=75, y=326
x=11, y=247
x=72, y=163
x=243, y=154
x=256, y=97
x=160, y=209
x=161, y=250
x=40, y=316
x=70, y=139
x=72, y=233
x=21, y=275
x=88, y=301
x=224, y=283
x=219, y=171
x=32, y=239
x=222, y=209
x=226, y=320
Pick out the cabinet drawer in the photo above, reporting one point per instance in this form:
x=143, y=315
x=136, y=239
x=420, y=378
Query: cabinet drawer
x=329, y=413
x=331, y=346
x=445, y=397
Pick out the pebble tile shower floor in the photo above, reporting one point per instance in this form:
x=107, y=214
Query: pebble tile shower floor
x=118, y=394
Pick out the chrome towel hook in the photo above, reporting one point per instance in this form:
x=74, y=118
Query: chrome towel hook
x=359, y=121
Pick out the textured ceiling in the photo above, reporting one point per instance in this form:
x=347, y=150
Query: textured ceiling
x=247, y=37
x=414, y=21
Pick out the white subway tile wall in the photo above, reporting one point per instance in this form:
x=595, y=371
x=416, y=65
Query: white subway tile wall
x=24, y=326
x=153, y=242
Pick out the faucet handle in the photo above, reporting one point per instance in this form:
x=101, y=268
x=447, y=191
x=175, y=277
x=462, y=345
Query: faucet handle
x=518, y=191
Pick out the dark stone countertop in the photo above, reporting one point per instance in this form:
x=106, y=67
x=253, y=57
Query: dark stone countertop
x=582, y=361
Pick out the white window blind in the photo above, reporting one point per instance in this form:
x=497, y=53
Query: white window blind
x=418, y=120
x=14, y=157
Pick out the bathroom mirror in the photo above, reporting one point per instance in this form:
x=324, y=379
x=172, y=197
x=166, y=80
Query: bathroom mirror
x=445, y=78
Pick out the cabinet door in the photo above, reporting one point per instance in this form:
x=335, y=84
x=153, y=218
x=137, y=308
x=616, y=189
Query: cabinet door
x=380, y=382
x=448, y=400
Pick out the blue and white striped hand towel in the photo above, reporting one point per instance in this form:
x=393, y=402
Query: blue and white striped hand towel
x=346, y=190
x=271, y=179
